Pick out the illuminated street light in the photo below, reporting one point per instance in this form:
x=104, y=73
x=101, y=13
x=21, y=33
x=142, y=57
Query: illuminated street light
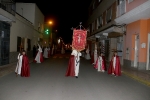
x=50, y=22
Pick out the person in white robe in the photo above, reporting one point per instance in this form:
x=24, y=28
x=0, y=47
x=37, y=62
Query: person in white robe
x=19, y=64
x=77, y=61
x=87, y=54
x=95, y=54
x=38, y=56
x=45, y=55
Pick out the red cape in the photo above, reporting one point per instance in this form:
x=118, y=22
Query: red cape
x=103, y=64
x=25, y=71
x=41, y=57
x=71, y=66
x=117, y=70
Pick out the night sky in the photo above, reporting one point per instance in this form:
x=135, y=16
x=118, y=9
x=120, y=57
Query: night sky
x=64, y=13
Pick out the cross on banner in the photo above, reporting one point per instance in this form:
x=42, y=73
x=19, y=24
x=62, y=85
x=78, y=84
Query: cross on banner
x=79, y=39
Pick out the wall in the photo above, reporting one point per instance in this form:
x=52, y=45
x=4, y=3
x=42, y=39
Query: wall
x=132, y=29
x=21, y=28
x=140, y=28
x=103, y=6
x=27, y=10
x=134, y=4
x=143, y=39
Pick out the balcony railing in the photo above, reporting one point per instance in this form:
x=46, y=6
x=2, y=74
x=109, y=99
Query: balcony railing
x=121, y=9
x=8, y=7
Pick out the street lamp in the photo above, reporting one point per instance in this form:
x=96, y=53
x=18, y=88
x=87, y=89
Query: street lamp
x=50, y=22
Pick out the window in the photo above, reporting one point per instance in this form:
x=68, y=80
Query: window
x=29, y=45
x=121, y=1
x=109, y=15
x=129, y=1
x=18, y=44
x=99, y=22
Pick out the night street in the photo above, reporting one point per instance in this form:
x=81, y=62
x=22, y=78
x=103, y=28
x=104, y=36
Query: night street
x=48, y=82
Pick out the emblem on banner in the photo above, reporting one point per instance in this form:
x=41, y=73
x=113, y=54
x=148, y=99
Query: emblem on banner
x=79, y=39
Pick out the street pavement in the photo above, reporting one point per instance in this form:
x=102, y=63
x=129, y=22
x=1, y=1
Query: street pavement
x=48, y=82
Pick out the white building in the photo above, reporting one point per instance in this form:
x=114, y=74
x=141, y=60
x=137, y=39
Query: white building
x=21, y=26
x=31, y=12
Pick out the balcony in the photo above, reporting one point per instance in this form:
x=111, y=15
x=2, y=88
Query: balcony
x=7, y=10
x=140, y=12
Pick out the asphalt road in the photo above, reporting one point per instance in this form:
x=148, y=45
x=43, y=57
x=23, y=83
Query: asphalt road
x=48, y=82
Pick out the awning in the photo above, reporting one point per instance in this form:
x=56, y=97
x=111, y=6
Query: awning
x=111, y=32
x=114, y=35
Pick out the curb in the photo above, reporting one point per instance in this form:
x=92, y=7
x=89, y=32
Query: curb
x=145, y=82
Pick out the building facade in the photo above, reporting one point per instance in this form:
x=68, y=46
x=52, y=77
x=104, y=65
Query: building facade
x=122, y=26
x=31, y=12
x=21, y=26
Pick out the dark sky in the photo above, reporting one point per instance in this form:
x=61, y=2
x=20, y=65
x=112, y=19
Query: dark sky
x=64, y=13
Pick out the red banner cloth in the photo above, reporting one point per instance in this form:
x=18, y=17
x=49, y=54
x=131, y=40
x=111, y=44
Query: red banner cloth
x=79, y=39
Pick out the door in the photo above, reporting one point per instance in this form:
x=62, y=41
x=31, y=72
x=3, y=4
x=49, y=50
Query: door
x=136, y=51
x=4, y=43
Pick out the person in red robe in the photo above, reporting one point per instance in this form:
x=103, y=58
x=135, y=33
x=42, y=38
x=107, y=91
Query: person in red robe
x=114, y=67
x=100, y=63
x=71, y=67
x=25, y=70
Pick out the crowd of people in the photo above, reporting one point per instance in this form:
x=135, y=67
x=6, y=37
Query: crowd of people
x=98, y=61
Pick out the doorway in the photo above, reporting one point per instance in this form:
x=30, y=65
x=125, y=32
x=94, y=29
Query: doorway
x=148, y=53
x=4, y=43
x=136, y=51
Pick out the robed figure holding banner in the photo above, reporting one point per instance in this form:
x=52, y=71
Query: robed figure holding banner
x=78, y=44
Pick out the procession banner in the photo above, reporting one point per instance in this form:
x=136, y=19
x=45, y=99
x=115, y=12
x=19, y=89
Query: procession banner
x=79, y=39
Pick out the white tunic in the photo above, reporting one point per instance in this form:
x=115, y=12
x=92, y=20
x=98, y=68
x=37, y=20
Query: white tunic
x=37, y=58
x=95, y=56
x=114, y=62
x=19, y=64
x=45, y=53
x=77, y=61
x=87, y=55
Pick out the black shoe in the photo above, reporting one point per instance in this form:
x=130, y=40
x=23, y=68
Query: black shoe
x=76, y=76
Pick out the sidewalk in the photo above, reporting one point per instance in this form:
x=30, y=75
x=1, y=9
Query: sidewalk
x=142, y=76
x=6, y=69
